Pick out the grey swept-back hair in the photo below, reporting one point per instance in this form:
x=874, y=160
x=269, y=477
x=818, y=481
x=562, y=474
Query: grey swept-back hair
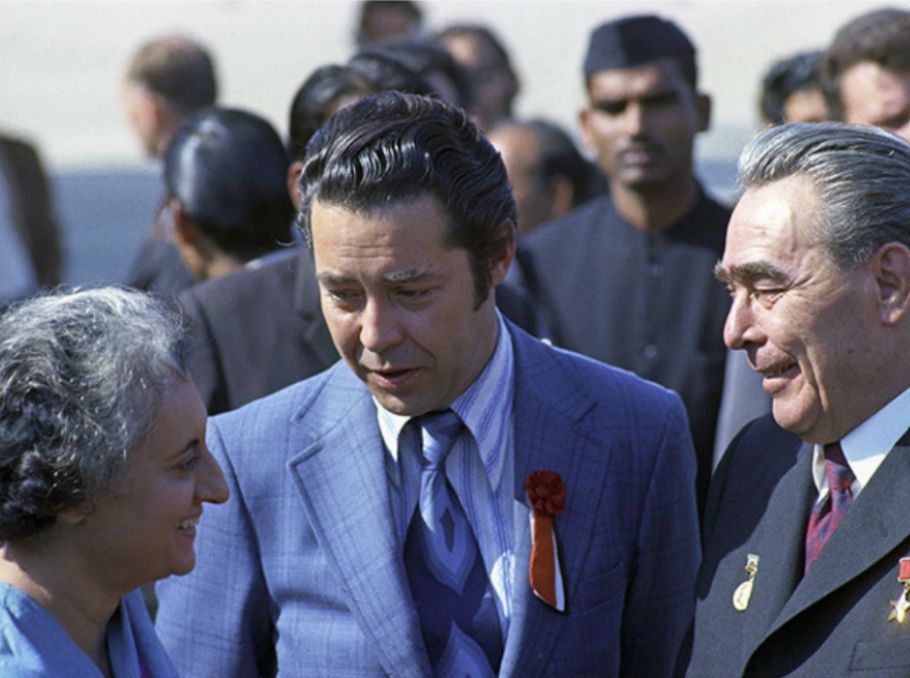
x=862, y=175
x=82, y=377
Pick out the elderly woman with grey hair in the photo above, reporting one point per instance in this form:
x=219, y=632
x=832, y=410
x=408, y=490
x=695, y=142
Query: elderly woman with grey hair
x=103, y=473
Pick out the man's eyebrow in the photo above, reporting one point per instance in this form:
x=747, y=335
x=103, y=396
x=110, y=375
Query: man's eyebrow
x=407, y=275
x=329, y=278
x=748, y=272
x=657, y=93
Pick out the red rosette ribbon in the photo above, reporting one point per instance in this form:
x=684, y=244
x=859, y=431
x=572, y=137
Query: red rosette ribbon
x=547, y=495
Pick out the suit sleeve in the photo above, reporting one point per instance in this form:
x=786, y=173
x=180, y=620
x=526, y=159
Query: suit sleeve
x=216, y=621
x=660, y=599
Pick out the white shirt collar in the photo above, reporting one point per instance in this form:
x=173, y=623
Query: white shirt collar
x=866, y=446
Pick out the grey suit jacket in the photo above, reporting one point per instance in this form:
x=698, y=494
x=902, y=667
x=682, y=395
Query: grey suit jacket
x=834, y=620
x=257, y=331
x=301, y=572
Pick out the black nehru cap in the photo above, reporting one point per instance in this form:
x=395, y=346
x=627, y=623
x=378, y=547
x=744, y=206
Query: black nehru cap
x=635, y=40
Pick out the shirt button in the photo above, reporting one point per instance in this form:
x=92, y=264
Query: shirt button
x=657, y=270
x=650, y=351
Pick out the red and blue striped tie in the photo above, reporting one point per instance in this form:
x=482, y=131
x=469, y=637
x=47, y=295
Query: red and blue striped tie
x=828, y=512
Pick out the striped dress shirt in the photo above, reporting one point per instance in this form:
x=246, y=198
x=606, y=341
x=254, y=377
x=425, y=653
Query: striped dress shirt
x=479, y=467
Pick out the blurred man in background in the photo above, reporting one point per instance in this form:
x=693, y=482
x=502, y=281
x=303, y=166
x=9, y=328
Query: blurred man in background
x=380, y=20
x=791, y=90
x=866, y=71
x=167, y=79
x=486, y=60
x=627, y=278
x=548, y=174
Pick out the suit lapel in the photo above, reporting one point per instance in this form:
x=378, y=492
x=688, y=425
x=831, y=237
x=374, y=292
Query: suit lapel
x=780, y=543
x=868, y=531
x=341, y=478
x=545, y=440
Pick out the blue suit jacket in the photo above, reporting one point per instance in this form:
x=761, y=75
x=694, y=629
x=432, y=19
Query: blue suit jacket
x=301, y=572
x=834, y=620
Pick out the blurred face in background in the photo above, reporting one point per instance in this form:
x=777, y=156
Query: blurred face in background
x=642, y=122
x=877, y=96
x=806, y=105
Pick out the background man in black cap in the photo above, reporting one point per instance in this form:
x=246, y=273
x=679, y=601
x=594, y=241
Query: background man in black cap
x=627, y=277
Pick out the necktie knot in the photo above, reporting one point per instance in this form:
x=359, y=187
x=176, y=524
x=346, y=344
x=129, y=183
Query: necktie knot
x=828, y=512
x=840, y=477
x=437, y=433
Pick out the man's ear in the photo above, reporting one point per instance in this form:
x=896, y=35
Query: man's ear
x=294, y=171
x=584, y=122
x=563, y=195
x=499, y=267
x=892, y=276
x=703, y=108
x=185, y=231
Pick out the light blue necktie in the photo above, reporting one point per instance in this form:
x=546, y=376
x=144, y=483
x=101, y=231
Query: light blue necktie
x=458, y=615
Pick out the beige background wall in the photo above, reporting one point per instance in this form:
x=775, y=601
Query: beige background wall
x=60, y=62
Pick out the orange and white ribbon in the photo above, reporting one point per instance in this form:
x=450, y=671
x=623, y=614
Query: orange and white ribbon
x=546, y=493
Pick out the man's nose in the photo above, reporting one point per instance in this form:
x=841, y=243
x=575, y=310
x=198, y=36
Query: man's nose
x=379, y=326
x=634, y=118
x=740, y=328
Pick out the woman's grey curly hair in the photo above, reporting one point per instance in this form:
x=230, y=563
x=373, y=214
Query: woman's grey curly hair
x=82, y=377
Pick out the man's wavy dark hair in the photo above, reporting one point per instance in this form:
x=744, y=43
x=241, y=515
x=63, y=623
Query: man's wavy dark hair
x=393, y=148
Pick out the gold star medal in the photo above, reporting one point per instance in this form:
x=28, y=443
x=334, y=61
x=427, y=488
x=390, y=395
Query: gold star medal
x=901, y=606
x=744, y=591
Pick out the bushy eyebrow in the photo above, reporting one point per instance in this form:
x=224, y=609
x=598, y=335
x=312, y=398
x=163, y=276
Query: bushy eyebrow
x=749, y=272
x=609, y=104
x=407, y=275
x=327, y=278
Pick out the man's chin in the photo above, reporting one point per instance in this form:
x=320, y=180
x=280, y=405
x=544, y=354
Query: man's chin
x=643, y=177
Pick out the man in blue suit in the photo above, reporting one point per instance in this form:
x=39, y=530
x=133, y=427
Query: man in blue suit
x=806, y=569
x=353, y=546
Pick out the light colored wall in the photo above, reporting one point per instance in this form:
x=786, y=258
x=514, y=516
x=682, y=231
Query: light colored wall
x=61, y=62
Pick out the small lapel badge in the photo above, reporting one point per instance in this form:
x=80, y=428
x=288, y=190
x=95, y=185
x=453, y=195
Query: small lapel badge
x=744, y=591
x=901, y=606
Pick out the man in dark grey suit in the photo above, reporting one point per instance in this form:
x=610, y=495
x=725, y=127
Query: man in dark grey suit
x=807, y=528
x=168, y=79
x=627, y=277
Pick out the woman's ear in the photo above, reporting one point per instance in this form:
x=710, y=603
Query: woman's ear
x=75, y=515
